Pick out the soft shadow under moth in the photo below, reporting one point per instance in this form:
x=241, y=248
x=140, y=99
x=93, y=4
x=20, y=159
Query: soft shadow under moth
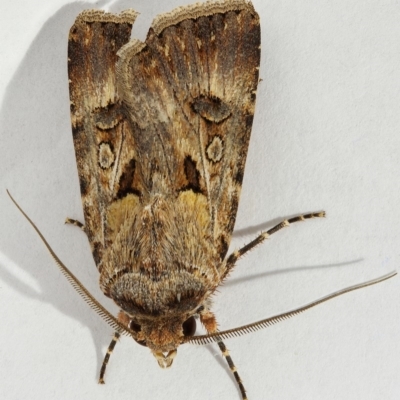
x=161, y=131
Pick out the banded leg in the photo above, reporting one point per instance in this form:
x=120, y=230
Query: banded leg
x=232, y=367
x=75, y=222
x=265, y=235
x=207, y=318
x=107, y=356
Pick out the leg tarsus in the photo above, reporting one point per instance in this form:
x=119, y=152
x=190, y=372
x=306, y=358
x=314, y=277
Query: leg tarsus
x=207, y=318
x=265, y=235
x=232, y=367
x=107, y=356
x=75, y=222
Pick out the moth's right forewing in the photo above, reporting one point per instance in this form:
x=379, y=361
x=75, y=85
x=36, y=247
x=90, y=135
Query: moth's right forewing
x=100, y=130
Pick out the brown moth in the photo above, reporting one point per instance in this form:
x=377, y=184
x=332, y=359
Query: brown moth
x=161, y=131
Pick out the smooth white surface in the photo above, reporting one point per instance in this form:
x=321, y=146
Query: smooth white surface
x=326, y=136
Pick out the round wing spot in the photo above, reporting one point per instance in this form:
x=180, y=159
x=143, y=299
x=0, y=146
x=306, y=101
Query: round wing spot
x=106, y=155
x=211, y=108
x=215, y=149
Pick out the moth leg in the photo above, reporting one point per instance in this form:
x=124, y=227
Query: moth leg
x=75, y=222
x=232, y=367
x=265, y=235
x=207, y=318
x=107, y=356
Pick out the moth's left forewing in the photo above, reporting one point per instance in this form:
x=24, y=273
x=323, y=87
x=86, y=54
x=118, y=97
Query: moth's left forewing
x=189, y=91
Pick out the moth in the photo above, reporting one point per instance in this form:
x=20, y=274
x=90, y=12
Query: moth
x=161, y=131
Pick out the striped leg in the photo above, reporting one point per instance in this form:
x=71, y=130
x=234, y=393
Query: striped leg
x=265, y=235
x=107, y=356
x=75, y=222
x=207, y=318
x=232, y=367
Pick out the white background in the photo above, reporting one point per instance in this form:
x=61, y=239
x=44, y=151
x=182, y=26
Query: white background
x=326, y=136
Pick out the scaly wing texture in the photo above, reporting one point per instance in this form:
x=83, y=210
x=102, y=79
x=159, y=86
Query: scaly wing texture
x=164, y=130
x=100, y=131
x=189, y=92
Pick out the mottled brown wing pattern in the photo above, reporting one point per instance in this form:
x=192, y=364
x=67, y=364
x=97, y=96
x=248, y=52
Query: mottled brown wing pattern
x=193, y=83
x=102, y=139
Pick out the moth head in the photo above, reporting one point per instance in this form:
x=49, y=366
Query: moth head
x=163, y=336
x=163, y=320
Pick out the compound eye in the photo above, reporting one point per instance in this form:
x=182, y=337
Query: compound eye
x=189, y=327
x=137, y=328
